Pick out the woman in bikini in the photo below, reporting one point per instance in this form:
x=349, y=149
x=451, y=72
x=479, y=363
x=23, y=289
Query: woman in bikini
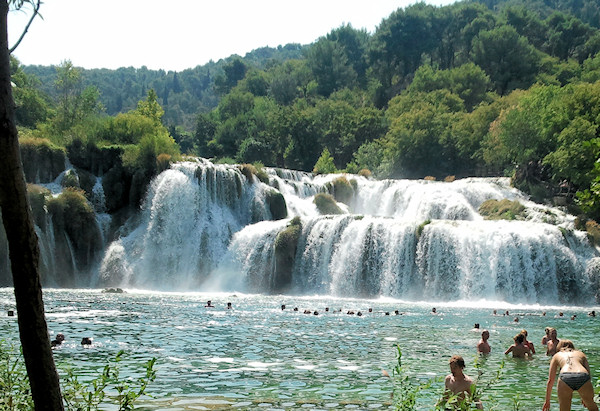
x=574, y=375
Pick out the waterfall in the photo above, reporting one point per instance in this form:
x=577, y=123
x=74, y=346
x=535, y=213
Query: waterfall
x=207, y=227
x=189, y=216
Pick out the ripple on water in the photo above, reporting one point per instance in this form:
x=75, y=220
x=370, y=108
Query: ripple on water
x=258, y=352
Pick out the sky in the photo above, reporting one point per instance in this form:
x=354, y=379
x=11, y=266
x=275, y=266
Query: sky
x=181, y=34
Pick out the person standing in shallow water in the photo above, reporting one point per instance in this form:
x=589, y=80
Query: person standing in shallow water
x=519, y=349
x=574, y=375
x=458, y=383
x=483, y=346
x=527, y=343
x=552, y=342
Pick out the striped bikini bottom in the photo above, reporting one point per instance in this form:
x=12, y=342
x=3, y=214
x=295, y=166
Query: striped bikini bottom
x=574, y=380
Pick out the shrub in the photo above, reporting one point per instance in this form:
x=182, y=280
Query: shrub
x=260, y=172
x=163, y=162
x=70, y=179
x=326, y=204
x=248, y=170
x=501, y=210
x=365, y=173
x=449, y=179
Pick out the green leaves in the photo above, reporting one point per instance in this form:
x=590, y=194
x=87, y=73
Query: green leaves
x=80, y=396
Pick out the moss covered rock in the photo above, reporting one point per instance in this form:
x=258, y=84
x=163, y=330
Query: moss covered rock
x=90, y=157
x=37, y=199
x=421, y=227
x=115, y=186
x=277, y=204
x=326, y=204
x=501, y=210
x=593, y=230
x=256, y=169
x=42, y=160
x=76, y=233
x=285, y=254
x=343, y=190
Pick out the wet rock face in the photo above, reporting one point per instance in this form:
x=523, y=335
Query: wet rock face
x=42, y=162
x=277, y=205
x=285, y=253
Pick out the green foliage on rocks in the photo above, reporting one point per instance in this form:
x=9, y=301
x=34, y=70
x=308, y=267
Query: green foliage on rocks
x=43, y=161
x=37, y=200
x=421, y=227
x=72, y=213
x=326, y=204
x=343, y=190
x=501, y=210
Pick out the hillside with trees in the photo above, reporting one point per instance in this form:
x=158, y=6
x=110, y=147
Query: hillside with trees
x=471, y=89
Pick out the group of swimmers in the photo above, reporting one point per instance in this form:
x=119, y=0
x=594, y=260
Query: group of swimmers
x=58, y=340
x=572, y=365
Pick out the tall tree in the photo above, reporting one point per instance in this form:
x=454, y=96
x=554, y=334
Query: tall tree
x=24, y=251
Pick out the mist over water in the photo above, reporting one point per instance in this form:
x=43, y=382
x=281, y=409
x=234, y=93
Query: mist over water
x=206, y=226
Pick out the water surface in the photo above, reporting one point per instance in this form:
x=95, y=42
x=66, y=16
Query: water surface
x=257, y=355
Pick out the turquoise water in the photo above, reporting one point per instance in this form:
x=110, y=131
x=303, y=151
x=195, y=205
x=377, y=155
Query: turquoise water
x=257, y=355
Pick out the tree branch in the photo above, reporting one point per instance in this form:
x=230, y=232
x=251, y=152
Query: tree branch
x=36, y=9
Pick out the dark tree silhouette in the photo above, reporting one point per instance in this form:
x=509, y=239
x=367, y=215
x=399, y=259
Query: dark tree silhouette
x=23, y=243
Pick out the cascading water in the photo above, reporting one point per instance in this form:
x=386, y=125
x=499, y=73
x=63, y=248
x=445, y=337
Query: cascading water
x=204, y=226
x=190, y=213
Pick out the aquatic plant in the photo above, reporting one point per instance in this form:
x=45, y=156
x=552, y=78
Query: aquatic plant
x=80, y=396
x=407, y=390
x=15, y=392
x=14, y=383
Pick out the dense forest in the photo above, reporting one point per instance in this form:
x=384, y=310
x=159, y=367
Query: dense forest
x=475, y=88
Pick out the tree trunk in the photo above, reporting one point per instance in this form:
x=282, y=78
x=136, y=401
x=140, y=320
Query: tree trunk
x=23, y=245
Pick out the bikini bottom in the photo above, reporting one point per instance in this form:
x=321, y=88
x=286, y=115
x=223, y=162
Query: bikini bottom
x=574, y=380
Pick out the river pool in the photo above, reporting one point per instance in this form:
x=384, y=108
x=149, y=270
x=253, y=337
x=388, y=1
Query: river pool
x=257, y=355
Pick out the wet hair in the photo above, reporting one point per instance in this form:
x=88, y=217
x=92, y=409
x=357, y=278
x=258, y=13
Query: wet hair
x=547, y=330
x=565, y=344
x=458, y=360
x=485, y=332
x=519, y=338
x=524, y=332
